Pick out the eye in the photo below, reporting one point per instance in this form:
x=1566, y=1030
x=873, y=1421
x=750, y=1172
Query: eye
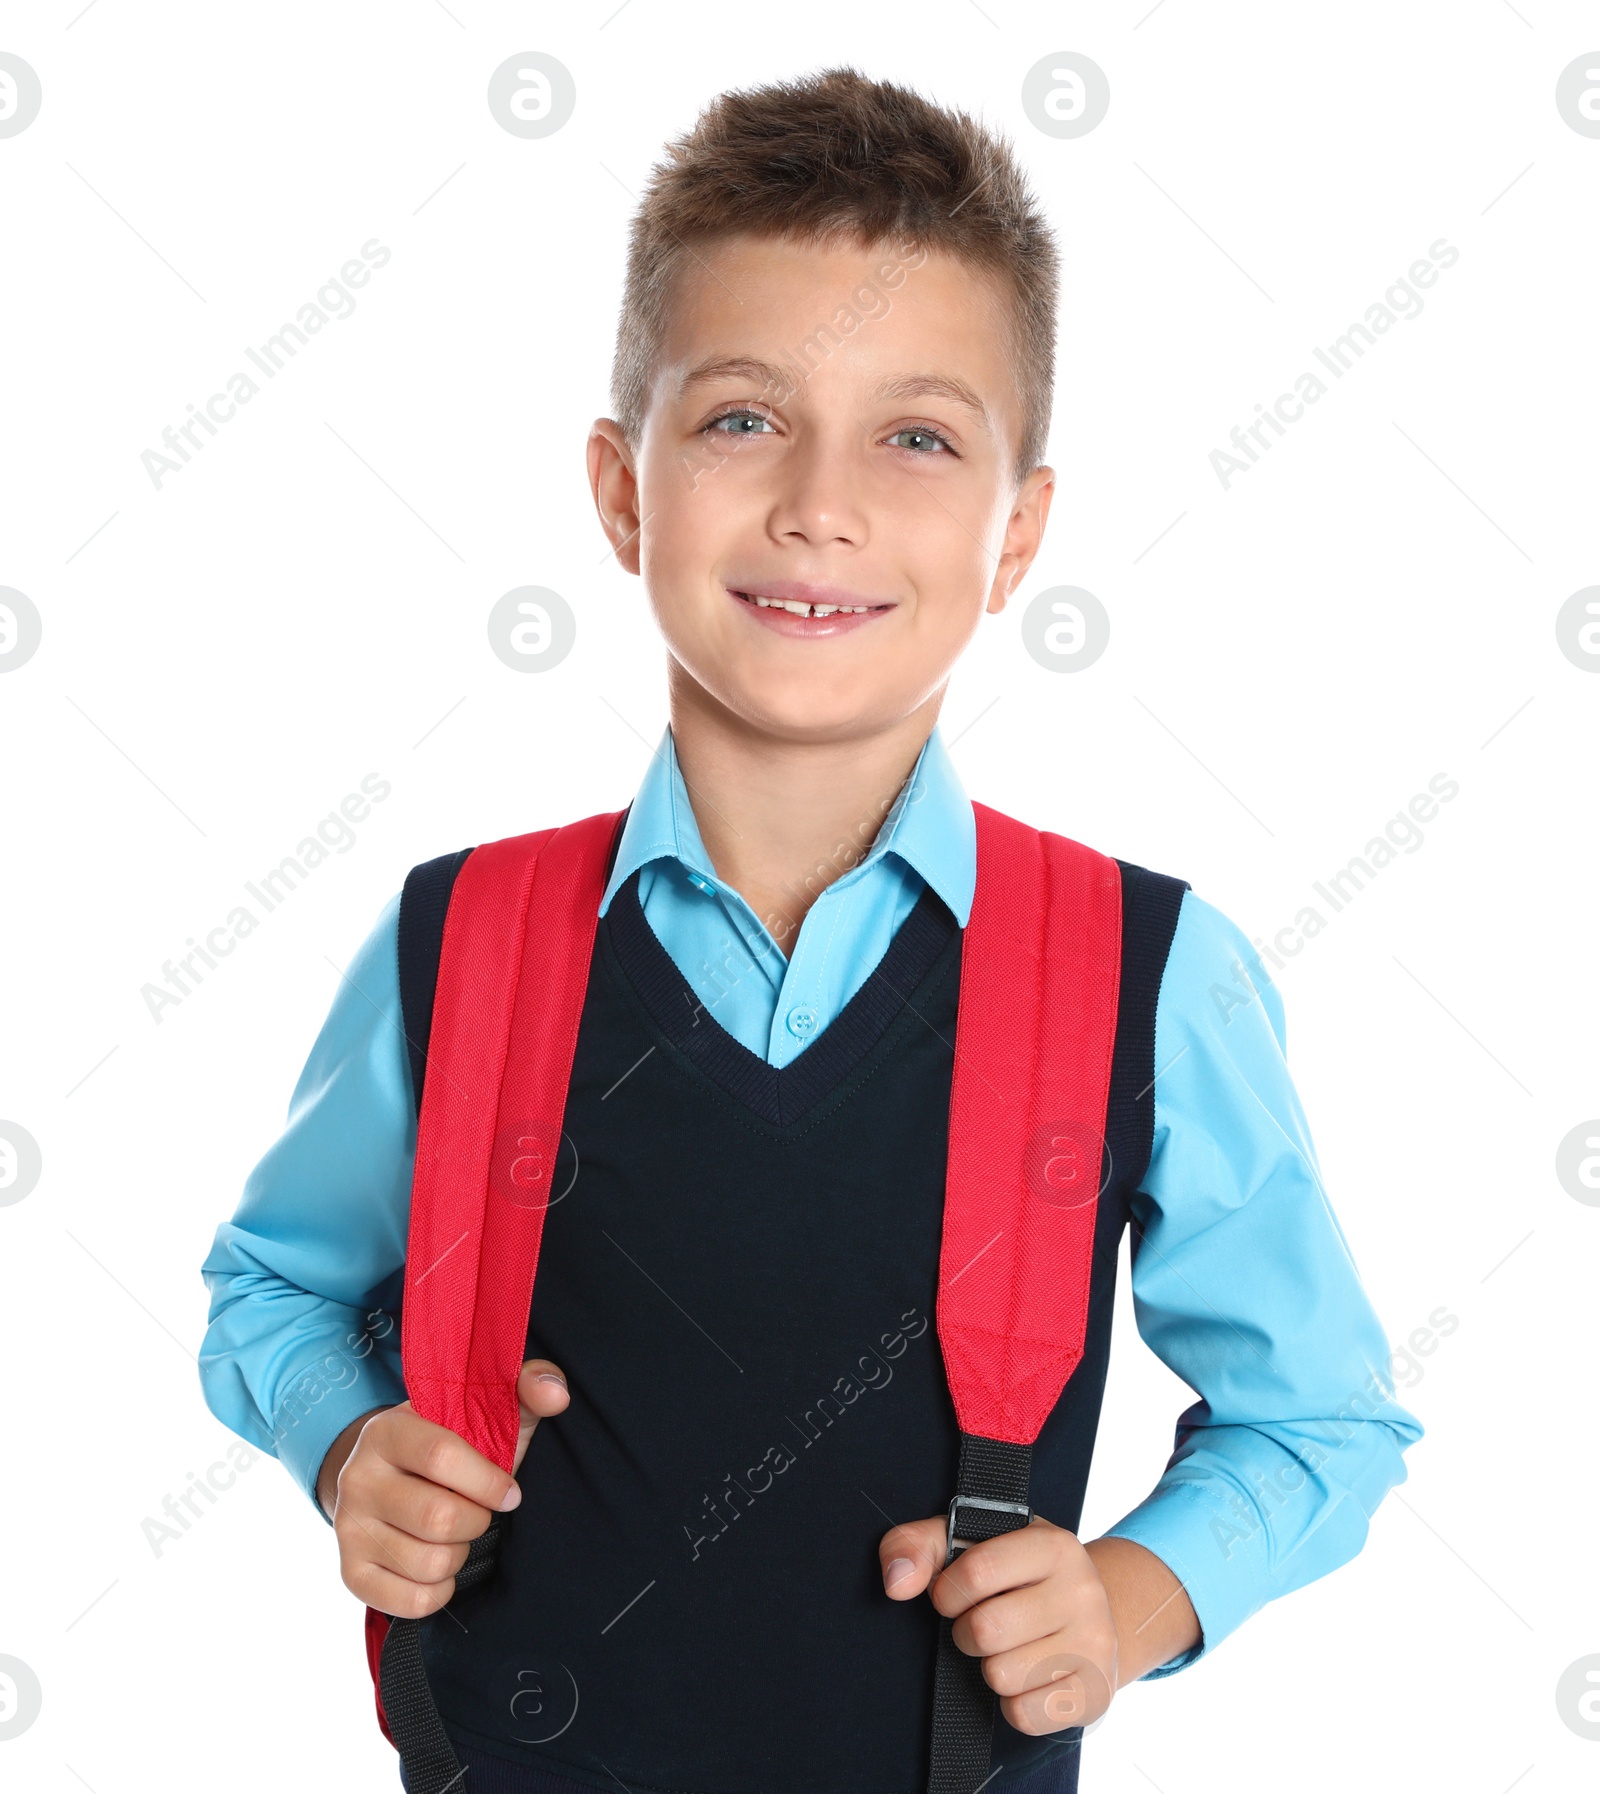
x=740, y=412
x=927, y=435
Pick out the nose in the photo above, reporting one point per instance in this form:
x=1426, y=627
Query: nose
x=818, y=495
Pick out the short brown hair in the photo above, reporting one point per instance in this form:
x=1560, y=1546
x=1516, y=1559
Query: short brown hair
x=834, y=156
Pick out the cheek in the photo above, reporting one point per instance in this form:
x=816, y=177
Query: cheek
x=948, y=537
x=951, y=575
x=682, y=538
x=694, y=513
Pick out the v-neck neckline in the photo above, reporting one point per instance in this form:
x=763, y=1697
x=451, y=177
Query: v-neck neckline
x=778, y=1095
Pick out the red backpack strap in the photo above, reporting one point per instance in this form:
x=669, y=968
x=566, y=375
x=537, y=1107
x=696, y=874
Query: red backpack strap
x=483, y=1173
x=1035, y=1027
x=514, y=961
x=1036, y=1023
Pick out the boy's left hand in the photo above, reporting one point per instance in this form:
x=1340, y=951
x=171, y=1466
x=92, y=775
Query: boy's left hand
x=1030, y=1603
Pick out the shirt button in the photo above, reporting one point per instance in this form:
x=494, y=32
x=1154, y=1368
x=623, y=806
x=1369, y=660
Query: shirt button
x=699, y=883
x=801, y=1021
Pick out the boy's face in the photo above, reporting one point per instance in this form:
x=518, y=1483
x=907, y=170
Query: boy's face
x=837, y=425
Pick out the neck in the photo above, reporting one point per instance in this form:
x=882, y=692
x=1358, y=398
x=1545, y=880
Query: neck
x=781, y=820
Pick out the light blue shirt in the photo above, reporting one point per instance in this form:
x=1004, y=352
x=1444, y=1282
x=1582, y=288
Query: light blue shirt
x=776, y=1007
x=1243, y=1283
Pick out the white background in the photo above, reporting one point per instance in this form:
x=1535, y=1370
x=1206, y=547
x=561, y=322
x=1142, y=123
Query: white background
x=228, y=656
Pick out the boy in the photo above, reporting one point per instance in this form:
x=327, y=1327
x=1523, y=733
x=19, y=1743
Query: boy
x=832, y=388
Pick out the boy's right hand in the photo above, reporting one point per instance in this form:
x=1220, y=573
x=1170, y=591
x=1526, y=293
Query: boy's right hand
x=408, y=1497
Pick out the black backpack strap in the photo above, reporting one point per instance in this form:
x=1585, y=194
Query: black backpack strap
x=428, y=1761
x=991, y=1498
x=424, y=899
x=1150, y=905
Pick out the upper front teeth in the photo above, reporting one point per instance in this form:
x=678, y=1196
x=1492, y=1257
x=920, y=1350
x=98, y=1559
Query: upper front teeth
x=801, y=608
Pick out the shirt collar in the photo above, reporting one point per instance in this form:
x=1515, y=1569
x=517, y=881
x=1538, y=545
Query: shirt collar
x=930, y=827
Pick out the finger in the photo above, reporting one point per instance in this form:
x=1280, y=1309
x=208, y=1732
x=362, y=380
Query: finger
x=910, y=1556
x=407, y=1441
x=541, y=1393
x=411, y=1504
x=402, y=1553
x=1030, y=1554
x=1008, y=1621
x=1065, y=1689
x=395, y=1595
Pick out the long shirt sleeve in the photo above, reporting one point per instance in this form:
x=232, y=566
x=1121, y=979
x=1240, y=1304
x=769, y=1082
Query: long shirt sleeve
x=1244, y=1286
x=306, y=1278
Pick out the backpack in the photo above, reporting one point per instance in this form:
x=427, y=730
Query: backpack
x=1036, y=1024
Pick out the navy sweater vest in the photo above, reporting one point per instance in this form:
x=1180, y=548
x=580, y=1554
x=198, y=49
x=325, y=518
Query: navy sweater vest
x=738, y=1276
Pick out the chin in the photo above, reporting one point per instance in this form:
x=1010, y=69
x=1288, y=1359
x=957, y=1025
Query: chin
x=810, y=716
x=812, y=705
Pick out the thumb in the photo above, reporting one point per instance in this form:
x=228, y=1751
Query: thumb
x=542, y=1392
x=911, y=1556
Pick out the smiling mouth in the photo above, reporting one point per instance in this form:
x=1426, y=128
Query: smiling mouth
x=798, y=607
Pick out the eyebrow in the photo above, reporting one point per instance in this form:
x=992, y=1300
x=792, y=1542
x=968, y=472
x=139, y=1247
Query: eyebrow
x=772, y=378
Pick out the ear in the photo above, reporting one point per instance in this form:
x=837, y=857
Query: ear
x=1024, y=533
x=615, y=487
